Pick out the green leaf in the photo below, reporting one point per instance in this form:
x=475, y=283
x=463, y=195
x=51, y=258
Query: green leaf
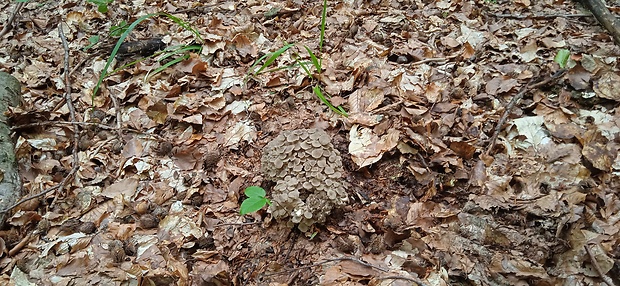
x=323, y=20
x=562, y=57
x=314, y=59
x=167, y=65
x=252, y=204
x=185, y=26
x=93, y=40
x=255, y=191
x=125, y=33
x=271, y=58
x=117, y=31
x=304, y=66
x=102, y=8
x=317, y=91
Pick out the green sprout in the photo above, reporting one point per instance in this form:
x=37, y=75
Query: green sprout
x=562, y=57
x=310, y=68
x=255, y=200
x=127, y=30
x=102, y=5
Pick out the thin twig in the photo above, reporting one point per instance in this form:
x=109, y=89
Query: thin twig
x=64, y=180
x=236, y=224
x=20, y=245
x=414, y=280
x=531, y=85
x=334, y=260
x=605, y=278
x=9, y=23
x=76, y=130
x=98, y=125
x=428, y=60
x=69, y=100
x=117, y=110
x=201, y=8
x=387, y=107
x=546, y=16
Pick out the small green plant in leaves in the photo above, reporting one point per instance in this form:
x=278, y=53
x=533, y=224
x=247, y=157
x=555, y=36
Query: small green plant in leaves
x=562, y=57
x=93, y=40
x=102, y=5
x=181, y=52
x=312, y=68
x=118, y=30
x=255, y=200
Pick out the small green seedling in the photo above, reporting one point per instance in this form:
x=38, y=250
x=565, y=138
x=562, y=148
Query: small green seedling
x=102, y=5
x=125, y=32
x=312, y=69
x=256, y=200
x=118, y=30
x=562, y=57
x=93, y=40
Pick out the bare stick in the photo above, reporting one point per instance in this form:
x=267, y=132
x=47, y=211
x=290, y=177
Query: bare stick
x=20, y=245
x=76, y=130
x=69, y=100
x=98, y=125
x=605, y=278
x=9, y=23
x=42, y=193
x=428, y=60
x=531, y=85
x=236, y=224
x=546, y=16
x=414, y=280
x=76, y=135
x=608, y=20
x=341, y=259
x=117, y=110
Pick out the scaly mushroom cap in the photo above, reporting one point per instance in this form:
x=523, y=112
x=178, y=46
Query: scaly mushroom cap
x=308, y=175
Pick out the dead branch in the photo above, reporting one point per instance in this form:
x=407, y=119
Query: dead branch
x=609, y=21
x=76, y=130
x=20, y=245
x=95, y=124
x=414, y=280
x=341, y=259
x=34, y=196
x=543, y=16
x=531, y=85
x=117, y=110
x=69, y=100
x=10, y=180
x=605, y=278
x=9, y=23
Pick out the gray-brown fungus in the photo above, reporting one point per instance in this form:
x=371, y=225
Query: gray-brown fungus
x=300, y=163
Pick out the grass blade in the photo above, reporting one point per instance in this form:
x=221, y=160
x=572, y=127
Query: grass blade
x=167, y=65
x=270, y=58
x=315, y=60
x=124, y=35
x=304, y=66
x=104, y=73
x=319, y=94
x=180, y=50
x=323, y=20
x=185, y=25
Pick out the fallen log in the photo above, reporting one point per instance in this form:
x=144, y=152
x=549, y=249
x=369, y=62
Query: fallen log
x=609, y=21
x=10, y=181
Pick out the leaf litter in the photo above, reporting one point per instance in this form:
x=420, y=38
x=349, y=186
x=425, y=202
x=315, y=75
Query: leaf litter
x=424, y=83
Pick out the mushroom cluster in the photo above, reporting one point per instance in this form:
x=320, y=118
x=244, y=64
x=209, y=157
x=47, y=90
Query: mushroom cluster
x=308, y=173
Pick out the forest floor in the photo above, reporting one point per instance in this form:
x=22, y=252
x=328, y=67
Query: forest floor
x=441, y=189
